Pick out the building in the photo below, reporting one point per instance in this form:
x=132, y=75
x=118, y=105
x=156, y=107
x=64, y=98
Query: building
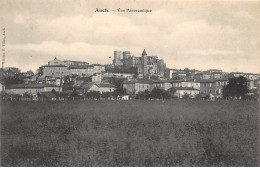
x=53, y=80
x=102, y=88
x=187, y=82
x=126, y=55
x=97, y=78
x=150, y=66
x=146, y=65
x=134, y=86
x=80, y=70
x=54, y=70
x=181, y=91
x=117, y=58
x=214, y=71
x=161, y=84
x=56, y=62
x=75, y=63
x=106, y=88
x=31, y=88
x=213, y=86
x=175, y=73
x=215, y=75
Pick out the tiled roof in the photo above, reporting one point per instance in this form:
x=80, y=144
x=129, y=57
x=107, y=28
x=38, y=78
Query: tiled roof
x=185, y=88
x=54, y=66
x=78, y=67
x=206, y=80
x=183, y=80
x=106, y=85
x=213, y=80
x=88, y=85
x=137, y=81
x=28, y=86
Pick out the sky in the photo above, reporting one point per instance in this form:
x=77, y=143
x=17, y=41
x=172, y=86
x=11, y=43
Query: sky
x=195, y=34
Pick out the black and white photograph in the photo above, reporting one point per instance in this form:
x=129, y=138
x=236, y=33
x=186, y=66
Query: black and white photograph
x=130, y=83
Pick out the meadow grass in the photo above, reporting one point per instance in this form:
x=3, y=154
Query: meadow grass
x=130, y=133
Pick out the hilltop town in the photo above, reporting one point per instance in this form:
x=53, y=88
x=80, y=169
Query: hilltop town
x=128, y=77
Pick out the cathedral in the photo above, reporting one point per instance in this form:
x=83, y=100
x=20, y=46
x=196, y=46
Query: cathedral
x=147, y=66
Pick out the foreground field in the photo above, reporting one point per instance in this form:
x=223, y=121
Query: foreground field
x=129, y=133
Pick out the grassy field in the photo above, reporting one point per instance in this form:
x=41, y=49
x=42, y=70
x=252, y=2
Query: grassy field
x=129, y=133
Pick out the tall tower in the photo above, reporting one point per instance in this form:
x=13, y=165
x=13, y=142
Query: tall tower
x=144, y=63
x=117, y=58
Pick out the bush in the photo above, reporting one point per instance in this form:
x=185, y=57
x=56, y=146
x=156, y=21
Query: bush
x=186, y=96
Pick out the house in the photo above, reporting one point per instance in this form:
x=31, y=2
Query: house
x=54, y=70
x=213, y=86
x=81, y=80
x=218, y=87
x=181, y=91
x=237, y=74
x=91, y=86
x=135, y=86
x=173, y=73
x=106, y=88
x=53, y=80
x=97, y=78
x=187, y=82
x=161, y=84
x=214, y=71
x=251, y=76
x=102, y=88
x=215, y=75
x=251, y=84
x=31, y=88
x=80, y=70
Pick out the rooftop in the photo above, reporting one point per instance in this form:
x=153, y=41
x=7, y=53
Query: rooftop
x=185, y=88
x=27, y=86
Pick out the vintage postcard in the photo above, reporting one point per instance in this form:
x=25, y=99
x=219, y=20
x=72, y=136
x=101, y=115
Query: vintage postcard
x=129, y=83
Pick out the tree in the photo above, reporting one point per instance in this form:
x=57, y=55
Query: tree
x=30, y=72
x=186, y=96
x=157, y=93
x=74, y=94
x=54, y=92
x=10, y=75
x=106, y=95
x=147, y=94
x=236, y=88
x=67, y=85
x=119, y=91
x=172, y=91
x=140, y=95
x=93, y=95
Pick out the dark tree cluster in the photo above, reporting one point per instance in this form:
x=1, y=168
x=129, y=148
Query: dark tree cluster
x=236, y=88
x=116, y=69
x=156, y=93
x=11, y=76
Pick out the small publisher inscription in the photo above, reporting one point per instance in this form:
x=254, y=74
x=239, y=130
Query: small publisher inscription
x=127, y=10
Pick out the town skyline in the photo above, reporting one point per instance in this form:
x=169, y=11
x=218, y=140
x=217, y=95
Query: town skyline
x=111, y=57
x=198, y=35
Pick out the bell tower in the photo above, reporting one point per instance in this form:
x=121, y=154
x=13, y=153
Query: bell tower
x=144, y=63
